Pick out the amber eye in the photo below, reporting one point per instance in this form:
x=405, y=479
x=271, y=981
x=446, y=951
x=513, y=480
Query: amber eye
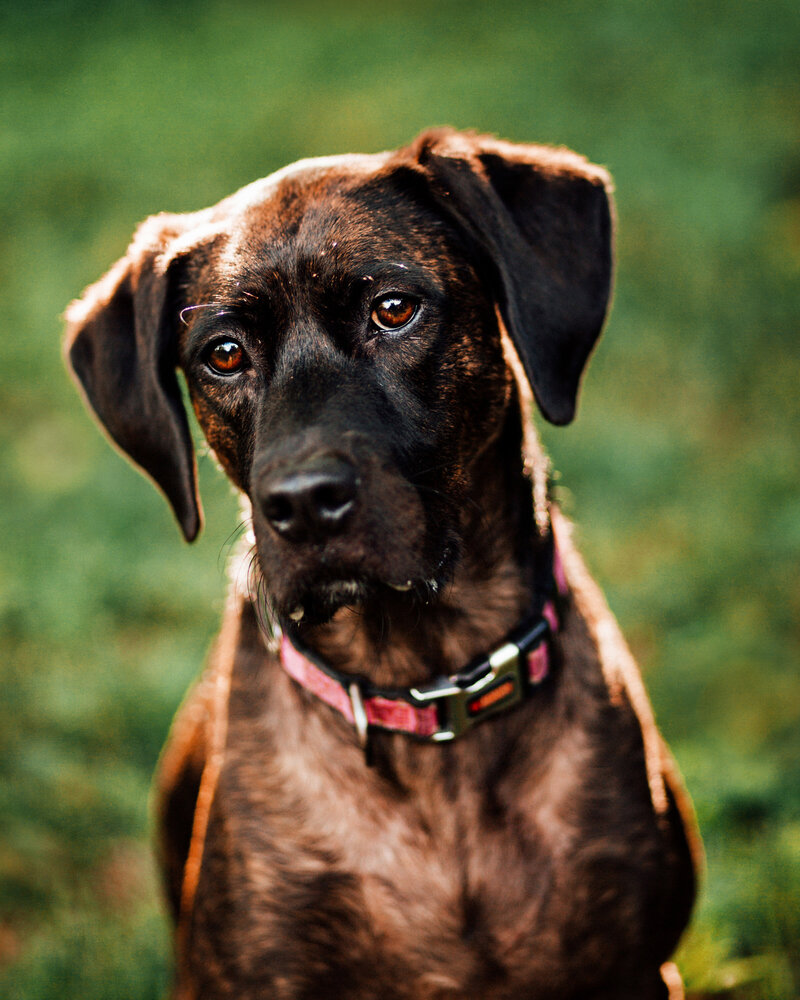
x=226, y=357
x=393, y=311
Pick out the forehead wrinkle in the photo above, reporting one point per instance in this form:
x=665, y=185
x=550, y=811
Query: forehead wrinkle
x=266, y=218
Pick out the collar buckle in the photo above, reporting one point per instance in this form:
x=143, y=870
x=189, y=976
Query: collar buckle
x=500, y=687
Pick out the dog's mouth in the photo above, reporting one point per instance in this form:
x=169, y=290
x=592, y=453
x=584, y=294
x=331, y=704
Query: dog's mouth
x=317, y=605
x=315, y=601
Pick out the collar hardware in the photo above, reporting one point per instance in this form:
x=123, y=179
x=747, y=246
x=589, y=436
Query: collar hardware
x=360, y=720
x=498, y=689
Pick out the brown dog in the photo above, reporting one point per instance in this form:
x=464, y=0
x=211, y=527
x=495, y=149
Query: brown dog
x=422, y=763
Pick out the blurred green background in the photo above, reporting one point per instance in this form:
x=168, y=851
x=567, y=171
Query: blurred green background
x=682, y=468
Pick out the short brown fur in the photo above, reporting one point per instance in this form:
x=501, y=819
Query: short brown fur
x=549, y=852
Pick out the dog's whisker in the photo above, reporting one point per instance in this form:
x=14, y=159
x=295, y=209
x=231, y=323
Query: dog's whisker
x=227, y=547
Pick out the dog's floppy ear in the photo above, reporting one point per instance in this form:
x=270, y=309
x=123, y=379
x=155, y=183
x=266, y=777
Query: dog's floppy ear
x=121, y=346
x=542, y=219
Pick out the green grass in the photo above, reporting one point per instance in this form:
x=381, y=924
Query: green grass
x=682, y=469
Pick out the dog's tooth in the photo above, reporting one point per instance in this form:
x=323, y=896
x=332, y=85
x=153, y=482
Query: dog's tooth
x=297, y=614
x=402, y=587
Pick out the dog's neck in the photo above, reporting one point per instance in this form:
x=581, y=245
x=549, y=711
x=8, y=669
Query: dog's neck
x=492, y=587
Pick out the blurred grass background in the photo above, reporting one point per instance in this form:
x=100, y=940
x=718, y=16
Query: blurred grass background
x=682, y=468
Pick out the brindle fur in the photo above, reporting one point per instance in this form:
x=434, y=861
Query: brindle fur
x=544, y=854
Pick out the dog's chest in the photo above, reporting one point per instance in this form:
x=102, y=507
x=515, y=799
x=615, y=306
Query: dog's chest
x=337, y=887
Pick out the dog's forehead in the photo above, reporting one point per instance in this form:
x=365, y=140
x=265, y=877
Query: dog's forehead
x=356, y=204
x=309, y=178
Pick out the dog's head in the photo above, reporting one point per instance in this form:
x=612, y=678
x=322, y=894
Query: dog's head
x=337, y=327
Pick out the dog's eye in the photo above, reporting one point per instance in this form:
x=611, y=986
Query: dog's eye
x=226, y=357
x=391, y=312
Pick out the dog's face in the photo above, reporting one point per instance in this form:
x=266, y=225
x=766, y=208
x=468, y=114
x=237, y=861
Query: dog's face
x=346, y=369
x=337, y=328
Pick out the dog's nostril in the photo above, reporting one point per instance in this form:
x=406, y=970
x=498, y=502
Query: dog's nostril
x=278, y=509
x=333, y=501
x=311, y=499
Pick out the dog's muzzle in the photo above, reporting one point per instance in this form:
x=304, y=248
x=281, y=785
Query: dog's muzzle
x=338, y=523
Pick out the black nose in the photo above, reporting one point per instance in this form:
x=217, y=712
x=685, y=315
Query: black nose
x=311, y=499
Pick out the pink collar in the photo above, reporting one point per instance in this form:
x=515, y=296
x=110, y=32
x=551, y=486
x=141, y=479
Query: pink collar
x=450, y=705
